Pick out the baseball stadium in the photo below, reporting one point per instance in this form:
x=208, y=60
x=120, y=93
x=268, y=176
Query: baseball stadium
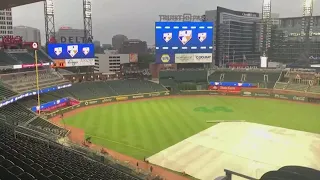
x=181, y=118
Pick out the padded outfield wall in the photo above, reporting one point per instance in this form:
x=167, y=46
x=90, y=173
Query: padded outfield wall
x=244, y=92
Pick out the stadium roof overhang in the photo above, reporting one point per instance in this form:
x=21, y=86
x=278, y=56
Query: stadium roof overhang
x=14, y=3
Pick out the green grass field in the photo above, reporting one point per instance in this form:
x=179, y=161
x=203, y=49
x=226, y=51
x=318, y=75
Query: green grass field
x=143, y=128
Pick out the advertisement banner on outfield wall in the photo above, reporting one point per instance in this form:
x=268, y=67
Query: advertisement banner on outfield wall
x=122, y=98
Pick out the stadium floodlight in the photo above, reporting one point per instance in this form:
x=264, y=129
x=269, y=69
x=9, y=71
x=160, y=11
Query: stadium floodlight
x=266, y=26
x=308, y=3
x=49, y=7
x=266, y=2
x=87, y=8
x=49, y=19
x=87, y=19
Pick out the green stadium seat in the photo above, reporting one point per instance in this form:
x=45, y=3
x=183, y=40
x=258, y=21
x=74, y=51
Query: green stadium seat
x=297, y=87
x=314, y=89
x=280, y=85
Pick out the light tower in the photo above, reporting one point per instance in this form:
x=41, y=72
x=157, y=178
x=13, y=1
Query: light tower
x=49, y=20
x=266, y=27
x=306, y=28
x=87, y=20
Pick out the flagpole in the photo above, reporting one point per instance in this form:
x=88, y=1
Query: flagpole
x=37, y=78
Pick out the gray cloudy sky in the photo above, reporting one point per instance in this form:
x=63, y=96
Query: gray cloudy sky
x=135, y=18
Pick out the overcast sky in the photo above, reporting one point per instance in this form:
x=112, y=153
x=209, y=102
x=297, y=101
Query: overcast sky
x=135, y=18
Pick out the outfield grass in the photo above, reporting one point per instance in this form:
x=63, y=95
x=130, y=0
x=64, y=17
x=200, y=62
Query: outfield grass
x=143, y=128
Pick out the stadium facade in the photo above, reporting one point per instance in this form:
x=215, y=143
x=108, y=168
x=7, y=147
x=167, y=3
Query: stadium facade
x=236, y=35
x=287, y=44
x=6, y=22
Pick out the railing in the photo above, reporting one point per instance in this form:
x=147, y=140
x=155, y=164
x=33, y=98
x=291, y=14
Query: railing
x=230, y=173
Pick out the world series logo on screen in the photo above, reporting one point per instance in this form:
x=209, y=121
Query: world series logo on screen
x=185, y=36
x=202, y=36
x=58, y=50
x=72, y=50
x=167, y=37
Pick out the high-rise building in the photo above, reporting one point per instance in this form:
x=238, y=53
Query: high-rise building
x=287, y=44
x=28, y=34
x=6, y=22
x=70, y=35
x=237, y=36
x=97, y=43
x=118, y=40
x=134, y=46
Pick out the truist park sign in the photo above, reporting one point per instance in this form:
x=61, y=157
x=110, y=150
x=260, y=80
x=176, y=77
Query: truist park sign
x=182, y=18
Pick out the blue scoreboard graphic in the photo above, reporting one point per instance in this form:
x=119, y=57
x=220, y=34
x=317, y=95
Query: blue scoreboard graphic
x=71, y=51
x=184, y=37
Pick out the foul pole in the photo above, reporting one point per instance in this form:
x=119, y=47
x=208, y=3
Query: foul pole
x=35, y=48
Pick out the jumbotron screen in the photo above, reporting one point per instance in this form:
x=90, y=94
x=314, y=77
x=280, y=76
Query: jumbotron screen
x=184, y=42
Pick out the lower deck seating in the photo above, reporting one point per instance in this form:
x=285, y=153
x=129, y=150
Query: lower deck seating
x=314, y=89
x=18, y=114
x=280, y=85
x=27, y=158
x=297, y=87
x=6, y=93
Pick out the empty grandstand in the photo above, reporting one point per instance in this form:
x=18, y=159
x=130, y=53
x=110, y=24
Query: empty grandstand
x=27, y=157
x=26, y=81
x=260, y=77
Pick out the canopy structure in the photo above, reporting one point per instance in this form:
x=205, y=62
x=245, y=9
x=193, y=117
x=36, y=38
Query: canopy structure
x=14, y=3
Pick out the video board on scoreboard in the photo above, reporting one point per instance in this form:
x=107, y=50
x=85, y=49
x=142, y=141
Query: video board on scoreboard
x=72, y=55
x=71, y=51
x=184, y=42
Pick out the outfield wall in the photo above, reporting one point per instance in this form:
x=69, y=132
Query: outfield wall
x=244, y=92
x=104, y=100
x=263, y=93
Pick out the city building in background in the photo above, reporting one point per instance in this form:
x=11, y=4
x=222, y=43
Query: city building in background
x=134, y=46
x=28, y=34
x=97, y=43
x=6, y=23
x=107, y=63
x=237, y=36
x=118, y=40
x=70, y=35
x=106, y=46
x=287, y=45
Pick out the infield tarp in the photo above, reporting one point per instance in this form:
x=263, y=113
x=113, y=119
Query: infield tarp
x=246, y=148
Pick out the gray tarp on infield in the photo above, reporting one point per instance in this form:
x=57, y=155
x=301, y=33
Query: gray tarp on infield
x=248, y=148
